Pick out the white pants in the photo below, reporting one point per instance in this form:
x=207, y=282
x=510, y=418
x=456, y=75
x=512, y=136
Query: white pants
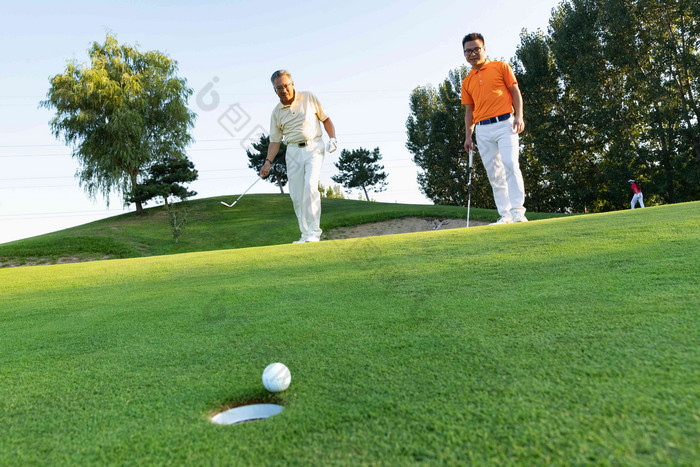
x=304, y=172
x=638, y=197
x=498, y=146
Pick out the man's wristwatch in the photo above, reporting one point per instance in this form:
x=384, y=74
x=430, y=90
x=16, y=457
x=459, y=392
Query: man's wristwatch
x=267, y=160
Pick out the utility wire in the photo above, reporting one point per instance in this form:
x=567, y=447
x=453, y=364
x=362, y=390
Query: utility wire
x=234, y=148
x=25, y=216
x=32, y=187
x=68, y=177
x=204, y=140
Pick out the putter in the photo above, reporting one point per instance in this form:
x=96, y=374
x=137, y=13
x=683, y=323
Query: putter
x=233, y=204
x=469, y=185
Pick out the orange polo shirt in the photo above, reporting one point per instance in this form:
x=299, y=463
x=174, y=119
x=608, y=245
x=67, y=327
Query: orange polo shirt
x=487, y=90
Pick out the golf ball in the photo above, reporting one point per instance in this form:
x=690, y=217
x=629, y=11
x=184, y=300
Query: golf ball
x=276, y=377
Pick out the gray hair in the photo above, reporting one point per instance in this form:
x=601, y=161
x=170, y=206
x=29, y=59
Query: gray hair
x=279, y=74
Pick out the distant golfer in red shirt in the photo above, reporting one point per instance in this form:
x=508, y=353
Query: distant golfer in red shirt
x=638, y=196
x=494, y=111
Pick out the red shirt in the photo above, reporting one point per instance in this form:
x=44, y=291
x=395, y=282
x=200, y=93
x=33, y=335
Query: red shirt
x=635, y=188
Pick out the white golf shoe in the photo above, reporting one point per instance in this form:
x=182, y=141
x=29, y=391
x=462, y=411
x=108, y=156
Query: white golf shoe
x=313, y=239
x=503, y=220
x=520, y=218
x=301, y=240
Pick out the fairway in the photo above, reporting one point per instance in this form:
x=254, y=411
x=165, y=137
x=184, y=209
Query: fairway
x=570, y=341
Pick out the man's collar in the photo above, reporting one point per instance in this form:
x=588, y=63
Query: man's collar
x=482, y=66
x=297, y=97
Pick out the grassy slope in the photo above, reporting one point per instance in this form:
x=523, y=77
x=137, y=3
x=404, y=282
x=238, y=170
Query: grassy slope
x=565, y=340
x=257, y=220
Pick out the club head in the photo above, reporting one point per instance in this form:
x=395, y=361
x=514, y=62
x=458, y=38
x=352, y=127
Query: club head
x=227, y=205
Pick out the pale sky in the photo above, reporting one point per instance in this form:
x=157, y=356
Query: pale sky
x=361, y=58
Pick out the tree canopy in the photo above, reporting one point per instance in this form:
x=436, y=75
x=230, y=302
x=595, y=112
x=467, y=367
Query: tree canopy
x=166, y=179
x=360, y=168
x=278, y=169
x=612, y=93
x=121, y=113
x=435, y=131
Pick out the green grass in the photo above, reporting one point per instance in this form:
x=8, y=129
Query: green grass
x=565, y=341
x=257, y=220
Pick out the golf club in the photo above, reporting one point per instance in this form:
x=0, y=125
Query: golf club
x=469, y=184
x=251, y=186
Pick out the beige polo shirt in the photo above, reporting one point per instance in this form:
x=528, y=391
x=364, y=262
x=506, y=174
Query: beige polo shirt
x=299, y=121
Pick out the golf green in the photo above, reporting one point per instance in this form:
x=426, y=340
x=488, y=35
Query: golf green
x=565, y=341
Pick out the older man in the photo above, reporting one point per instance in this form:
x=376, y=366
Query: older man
x=490, y=94
x=297, y=118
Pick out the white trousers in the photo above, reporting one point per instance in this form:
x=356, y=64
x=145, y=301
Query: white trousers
x=304, y=173
x=638, y=197
x=498, y=146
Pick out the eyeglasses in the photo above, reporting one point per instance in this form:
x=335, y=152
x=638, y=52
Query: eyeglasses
x=475, y=50
x=284, y=86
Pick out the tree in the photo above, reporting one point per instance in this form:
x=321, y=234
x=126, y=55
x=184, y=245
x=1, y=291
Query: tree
x=611, y=93
x=278, y=170
x=165, y=179
x=435, y=130
x=360, y=168
x=555, y=157
x=331, y=192
x=177, y=218
x=122, y=113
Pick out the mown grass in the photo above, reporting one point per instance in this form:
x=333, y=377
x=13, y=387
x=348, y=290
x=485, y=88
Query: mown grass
x=257, y=220
x=566, y=341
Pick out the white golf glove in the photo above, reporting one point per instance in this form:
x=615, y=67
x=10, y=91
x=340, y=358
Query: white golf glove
x=332, y=145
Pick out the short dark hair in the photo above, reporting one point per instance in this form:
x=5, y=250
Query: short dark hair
x=472, y=37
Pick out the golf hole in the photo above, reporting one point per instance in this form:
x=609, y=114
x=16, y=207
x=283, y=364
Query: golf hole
x=246, y=413
x=246, y=409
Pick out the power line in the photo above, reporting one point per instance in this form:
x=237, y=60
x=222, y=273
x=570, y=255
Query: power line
x=203, y=140
x=235, y=148
x=72, y=176
x=373, y=143
x=25, y=216
x=65, y=177
x=248, y=94
x=201, y=180
x=75, y=186
x=34, y=178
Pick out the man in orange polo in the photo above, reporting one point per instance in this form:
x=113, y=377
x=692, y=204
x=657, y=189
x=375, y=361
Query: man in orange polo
x=494, y=110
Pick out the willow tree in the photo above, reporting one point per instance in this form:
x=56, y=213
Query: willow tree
x=121, y=113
